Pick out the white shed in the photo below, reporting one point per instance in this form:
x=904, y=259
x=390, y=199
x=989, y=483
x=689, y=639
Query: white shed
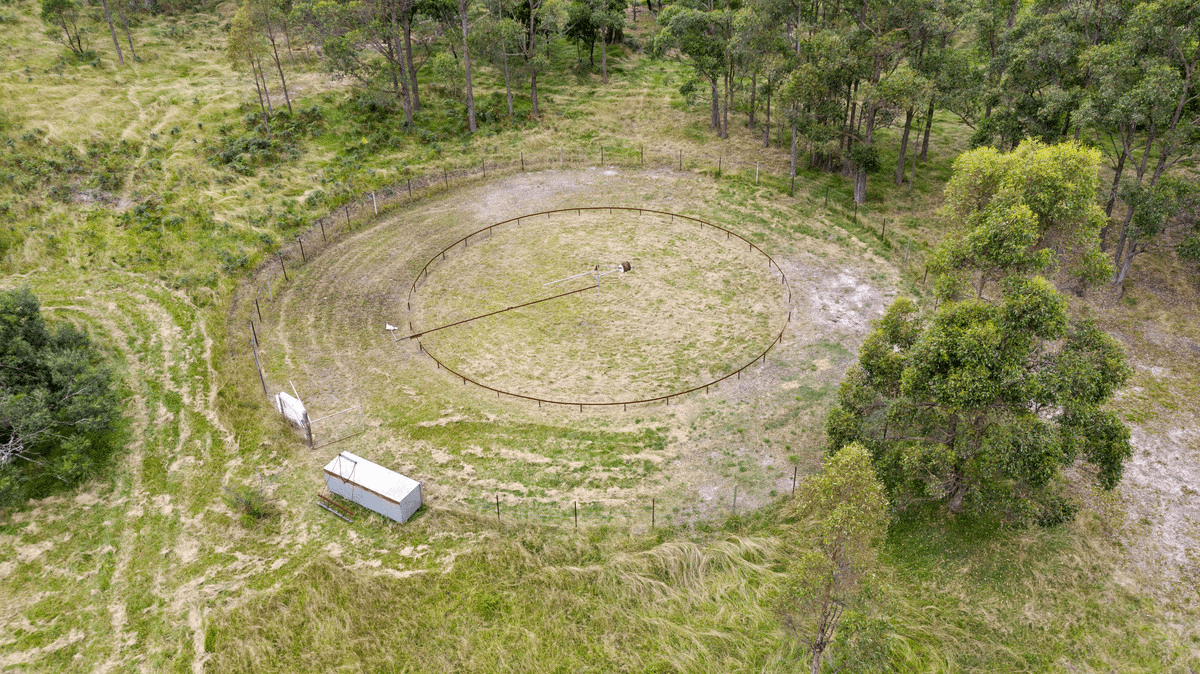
x=374, y=487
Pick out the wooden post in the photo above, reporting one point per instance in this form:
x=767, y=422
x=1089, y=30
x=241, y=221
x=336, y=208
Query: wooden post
x=374, y=203
x=446, y=179
x=497, y=509
x=258, y=367
x=410, y=187
x=322, y=223
x=256, y=308
x=924, y=278
x=308, y=430
x=883, y=232
x=302, y=255
x=795, y=472
x=755, y=173
x=253, y=332
x=522, y=161
x=346, y=210
x=282, y=266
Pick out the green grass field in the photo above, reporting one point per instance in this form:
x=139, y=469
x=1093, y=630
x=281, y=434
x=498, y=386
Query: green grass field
x=120, y=212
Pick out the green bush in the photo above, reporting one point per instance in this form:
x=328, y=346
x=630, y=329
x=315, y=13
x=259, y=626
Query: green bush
x=58, y=404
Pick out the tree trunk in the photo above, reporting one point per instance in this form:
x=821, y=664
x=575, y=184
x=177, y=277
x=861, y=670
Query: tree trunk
x=533, y=93
x=793, y=150
x=128, y=37
x=725, y=111
x=275, y=56
x=462, y=15
x=414, y=93
x=860, y=186
x=1112, y=193
x=715, y=123
x=266, y=118
x=753, y=93
x=1123, y=271
x=266, y=89
x=815, y=663
x=928, y=126
x=507, y=82
x=113, y=31
x=767, y=126
x=287, y=39
x=1119, y=253
x=958, y=494
x=604, y=55
x=908, y=118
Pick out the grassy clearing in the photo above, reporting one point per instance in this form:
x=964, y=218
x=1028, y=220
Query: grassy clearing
x=694, y=308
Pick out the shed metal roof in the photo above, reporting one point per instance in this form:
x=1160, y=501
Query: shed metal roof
x=371, y=476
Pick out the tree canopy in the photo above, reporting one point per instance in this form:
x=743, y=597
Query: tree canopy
x=983, y=402
x=58, y=402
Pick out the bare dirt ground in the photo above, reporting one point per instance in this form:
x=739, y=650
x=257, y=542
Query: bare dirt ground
x=704, y=307
x=1159, y=496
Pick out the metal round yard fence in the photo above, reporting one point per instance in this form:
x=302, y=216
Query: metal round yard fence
x=624, y=404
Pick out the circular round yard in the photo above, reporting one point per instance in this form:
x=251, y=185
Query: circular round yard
x=697, y=304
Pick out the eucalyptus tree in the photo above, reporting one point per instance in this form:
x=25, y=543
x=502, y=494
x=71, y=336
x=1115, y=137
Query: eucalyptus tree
x=58, y=402
x=843, y=517
x=1146, y=101
x=980, y=404
x=881, y=46
x=492, y=37
x=362, y=41
x=463, y=6
x=609, y=17
x=703, y=35
x=244, y=48
x=67, y=19
x=112, y=31
x=266, y=15
x=542, y=21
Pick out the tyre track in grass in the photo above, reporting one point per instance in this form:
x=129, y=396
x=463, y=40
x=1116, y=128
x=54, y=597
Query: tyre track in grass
x=172, y=430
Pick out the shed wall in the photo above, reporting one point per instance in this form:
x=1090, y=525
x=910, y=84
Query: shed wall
x=399, y=511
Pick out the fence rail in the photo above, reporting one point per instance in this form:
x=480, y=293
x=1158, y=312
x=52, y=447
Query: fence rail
x=761, y=357
x=348, y=213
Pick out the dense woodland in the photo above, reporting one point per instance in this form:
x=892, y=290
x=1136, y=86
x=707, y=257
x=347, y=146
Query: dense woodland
x=1120, y=77
x=991, y=404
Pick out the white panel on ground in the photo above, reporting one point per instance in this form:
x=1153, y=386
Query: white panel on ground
x=291, y=408
x=373, y=487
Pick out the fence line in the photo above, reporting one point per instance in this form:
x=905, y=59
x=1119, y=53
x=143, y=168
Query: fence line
x=761, y=357
x=346, y=216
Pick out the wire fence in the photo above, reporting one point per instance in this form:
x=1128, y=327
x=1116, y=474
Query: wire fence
x=352, y=213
